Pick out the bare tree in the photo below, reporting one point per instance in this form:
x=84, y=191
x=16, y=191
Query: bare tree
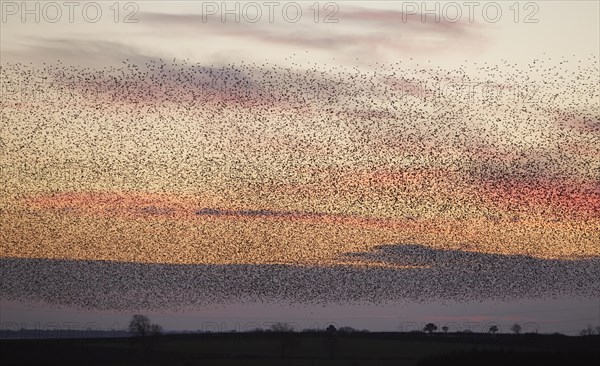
x=282, y=328
x=516, y=328
x=140, y=325
x=430, y=328
x=493, y=329
x=156, y=330
x=285, y=335
x=145, y=331
x=588, y=331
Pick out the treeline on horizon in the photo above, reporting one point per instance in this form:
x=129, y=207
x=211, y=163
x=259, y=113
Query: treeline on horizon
x=25, y=333
x=142, y=344
x=140, y=326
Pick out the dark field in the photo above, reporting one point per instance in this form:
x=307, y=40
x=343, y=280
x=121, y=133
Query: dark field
x=308, y=349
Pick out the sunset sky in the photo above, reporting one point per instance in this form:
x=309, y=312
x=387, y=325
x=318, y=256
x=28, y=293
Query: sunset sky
x=379, y=163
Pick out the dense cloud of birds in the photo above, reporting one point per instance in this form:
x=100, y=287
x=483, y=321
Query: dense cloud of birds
x=299, y=183
x=447, y=276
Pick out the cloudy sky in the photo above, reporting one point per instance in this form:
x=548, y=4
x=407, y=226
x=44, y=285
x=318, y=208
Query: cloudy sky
x=347, y=33
x=350, y=161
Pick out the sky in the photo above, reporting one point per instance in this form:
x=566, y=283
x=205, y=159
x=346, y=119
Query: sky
x=374, y=164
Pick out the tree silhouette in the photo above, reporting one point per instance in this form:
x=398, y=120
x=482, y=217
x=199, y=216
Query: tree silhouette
x=285, y=334
x=140, y=325
x=516, y=328
x=156, y=330
x=282, y=328
x=588, y=331
x=331, y=339
x=143, y=330
x=445, y=329
x=430, y=328
x=493, y=329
